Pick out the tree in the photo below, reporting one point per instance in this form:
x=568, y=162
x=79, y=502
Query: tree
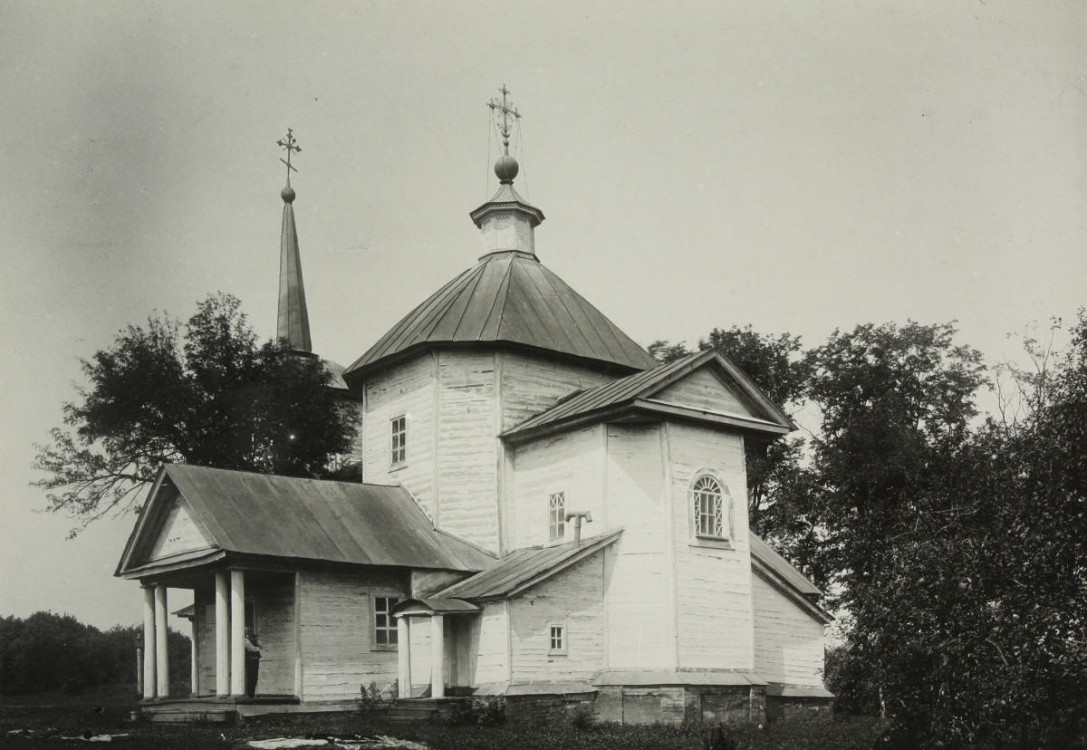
x=207, y=394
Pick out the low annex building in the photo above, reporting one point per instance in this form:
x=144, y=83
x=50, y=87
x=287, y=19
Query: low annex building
x=543, y=513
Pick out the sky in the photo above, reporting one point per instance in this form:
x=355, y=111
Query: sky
x=795, y=165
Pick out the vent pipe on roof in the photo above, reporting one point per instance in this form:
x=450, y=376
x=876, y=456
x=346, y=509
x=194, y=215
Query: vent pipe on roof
x=577, y=515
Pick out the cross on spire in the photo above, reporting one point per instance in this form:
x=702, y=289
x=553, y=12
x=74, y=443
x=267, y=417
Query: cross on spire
x=506, y=109
x=289, y=145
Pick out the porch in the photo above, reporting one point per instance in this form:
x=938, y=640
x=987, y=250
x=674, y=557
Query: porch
x=227, y=604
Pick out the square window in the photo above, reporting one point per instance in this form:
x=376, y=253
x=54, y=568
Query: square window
x=556, y=516
x=385, y=631
x=556, y=638
x=399, y=445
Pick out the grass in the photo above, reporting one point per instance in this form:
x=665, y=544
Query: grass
x=107, y=713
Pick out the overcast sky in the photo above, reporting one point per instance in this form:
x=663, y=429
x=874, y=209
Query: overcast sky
x=795, y=165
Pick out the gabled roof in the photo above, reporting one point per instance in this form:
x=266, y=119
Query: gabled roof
x=243, y=513
x=511, y=298
x=524, y=568
x=636, y=392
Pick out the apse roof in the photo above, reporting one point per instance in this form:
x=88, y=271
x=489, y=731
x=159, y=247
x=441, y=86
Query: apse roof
x=509, y=297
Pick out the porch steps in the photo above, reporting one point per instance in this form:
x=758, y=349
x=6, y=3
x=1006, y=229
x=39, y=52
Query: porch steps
x=412, y=710
x=183, y=712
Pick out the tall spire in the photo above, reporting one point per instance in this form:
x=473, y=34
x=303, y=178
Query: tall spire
x=293, y=326
x=507, y=221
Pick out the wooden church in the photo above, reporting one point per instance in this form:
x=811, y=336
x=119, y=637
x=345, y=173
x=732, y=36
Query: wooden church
x=544, y=513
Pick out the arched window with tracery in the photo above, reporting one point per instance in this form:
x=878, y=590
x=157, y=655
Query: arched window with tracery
x=709, y=502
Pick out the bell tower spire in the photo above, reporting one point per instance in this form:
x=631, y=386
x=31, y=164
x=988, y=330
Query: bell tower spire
x=292, y=330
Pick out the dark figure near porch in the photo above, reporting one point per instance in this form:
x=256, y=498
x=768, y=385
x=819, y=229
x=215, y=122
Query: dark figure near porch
x=252, y=662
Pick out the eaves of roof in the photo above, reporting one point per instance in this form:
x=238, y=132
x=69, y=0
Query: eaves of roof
x=632, y=395
x=511, y=299
x=524, y=568
x=266, y=516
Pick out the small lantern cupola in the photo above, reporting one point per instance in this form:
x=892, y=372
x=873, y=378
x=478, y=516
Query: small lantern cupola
x=507, y=221
x=292, y=330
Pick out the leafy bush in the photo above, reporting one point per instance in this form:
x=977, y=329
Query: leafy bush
x=582, y=717
x=481, y=712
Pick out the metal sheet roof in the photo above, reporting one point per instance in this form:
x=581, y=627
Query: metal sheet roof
x=765, y=554
x=289, y=517
x=435, y=606
x=526, y=567
x=509, y=297
x=642, y=385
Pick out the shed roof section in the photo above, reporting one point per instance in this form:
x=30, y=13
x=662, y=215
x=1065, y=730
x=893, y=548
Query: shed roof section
x=638, y=390
x=306, y=519
x=510, y=297
x=526, y=567
x=782, y=568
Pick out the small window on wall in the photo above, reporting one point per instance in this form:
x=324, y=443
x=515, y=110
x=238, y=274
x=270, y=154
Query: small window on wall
x=385, y=633
x=556, y=638
x=710, y=505
x=556, y=516
x=399, y=427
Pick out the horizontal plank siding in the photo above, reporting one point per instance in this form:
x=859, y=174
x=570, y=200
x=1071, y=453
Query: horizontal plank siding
x=572, y=599
x=337, y=633
x=704, y=390
x=407, y=389
x=713, y=584
x=178, y=534
x=273, y=599
x=467, y=461
x=567, y=463
x=639, y=603
x=532, y=384
x=788, y=642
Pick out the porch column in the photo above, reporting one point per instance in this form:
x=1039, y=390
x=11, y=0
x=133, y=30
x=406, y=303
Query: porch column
x=148, y=642
x=237, y=632
x=194, y=653
x=403, y=655
x=222, y=634
x=162, y=660
x=437, y=656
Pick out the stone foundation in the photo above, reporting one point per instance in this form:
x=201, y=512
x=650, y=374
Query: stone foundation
x=681, y=704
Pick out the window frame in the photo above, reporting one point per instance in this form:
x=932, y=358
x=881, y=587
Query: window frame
x=392, y=628
x=556, y=501
x=563, y=649
x=695, y=497
x=398, y=448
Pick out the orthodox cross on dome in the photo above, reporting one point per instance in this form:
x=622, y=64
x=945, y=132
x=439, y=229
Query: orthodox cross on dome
x=506, y=109
x=289, y=145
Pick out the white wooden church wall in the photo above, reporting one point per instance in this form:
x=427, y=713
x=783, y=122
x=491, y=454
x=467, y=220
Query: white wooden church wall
x=713, y=585
x=337, y=632
x=531, y=384
x=491, y=638
x=639, y=601
x=457, y=402
x=573, y=600
x=409, y=390
x=570, y=463
x=466, y=472
x=788, y=643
